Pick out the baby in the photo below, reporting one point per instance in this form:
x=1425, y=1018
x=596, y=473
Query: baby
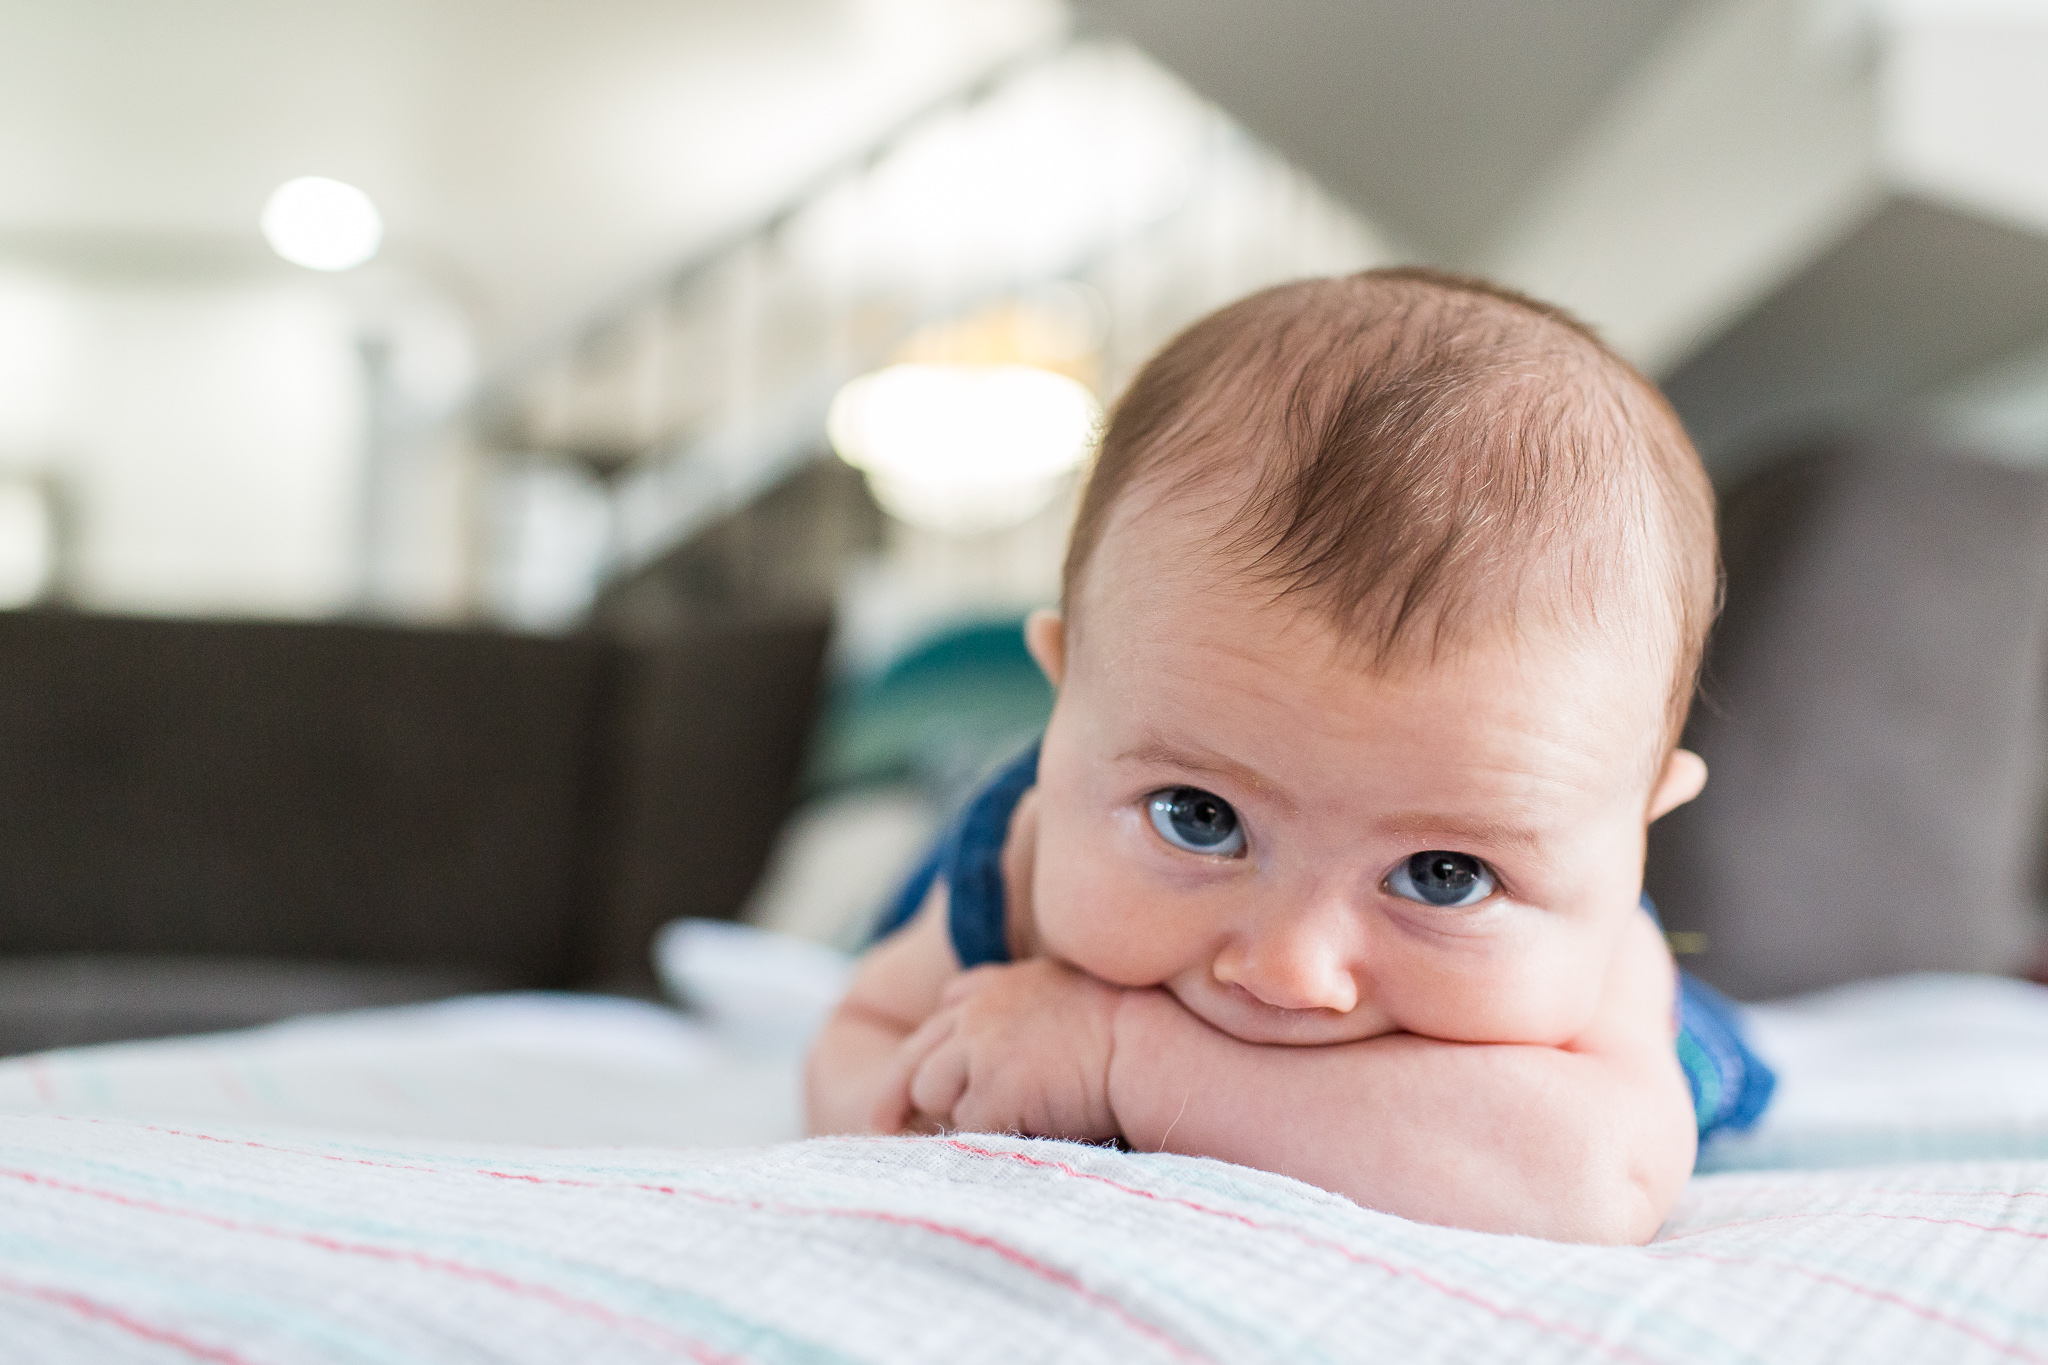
x=1382, y=615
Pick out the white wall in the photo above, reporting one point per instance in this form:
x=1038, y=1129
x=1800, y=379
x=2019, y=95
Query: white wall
x=207, y=437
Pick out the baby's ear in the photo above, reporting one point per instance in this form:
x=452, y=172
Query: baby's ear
x=1684, y=775
x=1045, y=635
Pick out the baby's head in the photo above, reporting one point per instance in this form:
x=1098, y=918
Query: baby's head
x=1383, y=611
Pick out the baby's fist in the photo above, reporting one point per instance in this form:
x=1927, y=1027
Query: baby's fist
x=1021, y=1048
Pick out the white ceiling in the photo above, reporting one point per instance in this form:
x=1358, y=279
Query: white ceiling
x=529, y=156
x=1794, y=211
x=1431, y=116
x=534, y=157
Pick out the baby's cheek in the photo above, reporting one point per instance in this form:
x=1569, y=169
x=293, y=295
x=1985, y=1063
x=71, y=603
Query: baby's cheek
x=1094, y=916
x=1539, y=995
x=1550, y=1012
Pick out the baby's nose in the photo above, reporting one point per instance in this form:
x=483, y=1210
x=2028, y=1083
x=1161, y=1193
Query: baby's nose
x=1290, y=973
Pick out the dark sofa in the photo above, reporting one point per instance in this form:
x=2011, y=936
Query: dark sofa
x=213, y=823
x=1874, y=715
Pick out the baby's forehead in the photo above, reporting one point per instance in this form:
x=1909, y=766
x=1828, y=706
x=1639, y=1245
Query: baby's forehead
x=1180, y=643
x=1172, y=546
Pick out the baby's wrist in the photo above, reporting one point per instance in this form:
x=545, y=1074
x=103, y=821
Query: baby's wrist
x=1135, y=1038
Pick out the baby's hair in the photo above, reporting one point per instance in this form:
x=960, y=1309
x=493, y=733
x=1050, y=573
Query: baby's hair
x=1418, y=454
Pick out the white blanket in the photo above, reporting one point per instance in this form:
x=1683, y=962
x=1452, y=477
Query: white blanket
x=126, y=1242
x=343, y=1190
x=557, y=1069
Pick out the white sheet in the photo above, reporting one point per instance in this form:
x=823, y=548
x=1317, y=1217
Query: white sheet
x=1909, y=1068
x=543, y=1068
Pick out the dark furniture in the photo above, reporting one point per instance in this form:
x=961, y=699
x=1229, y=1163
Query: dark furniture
x=1873, y=717
x=210, y=823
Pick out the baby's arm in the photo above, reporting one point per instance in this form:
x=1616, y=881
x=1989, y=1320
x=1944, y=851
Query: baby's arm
x=857, y=1079
x=918, y=1044
x=1590, y=1142
x=851, y=1083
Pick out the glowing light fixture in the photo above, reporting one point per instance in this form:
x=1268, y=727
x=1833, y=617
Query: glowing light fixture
x=963, y=447
x=26, y=543
x=322, y=224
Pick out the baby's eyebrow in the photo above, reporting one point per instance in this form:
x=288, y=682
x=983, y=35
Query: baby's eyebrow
x=1203, y=761
x=1488, y=833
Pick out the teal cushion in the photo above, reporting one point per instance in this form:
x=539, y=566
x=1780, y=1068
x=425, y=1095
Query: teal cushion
x=942, y=713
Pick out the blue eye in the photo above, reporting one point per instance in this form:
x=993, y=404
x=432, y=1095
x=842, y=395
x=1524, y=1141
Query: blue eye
x=1198, y=821
x=1441, y=878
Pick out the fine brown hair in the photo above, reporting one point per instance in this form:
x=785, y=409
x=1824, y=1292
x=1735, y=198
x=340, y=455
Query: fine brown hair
x=1422, y=453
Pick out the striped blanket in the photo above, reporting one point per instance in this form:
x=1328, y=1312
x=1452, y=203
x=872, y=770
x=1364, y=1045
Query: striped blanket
x=126, y=1241
x=375, y=1188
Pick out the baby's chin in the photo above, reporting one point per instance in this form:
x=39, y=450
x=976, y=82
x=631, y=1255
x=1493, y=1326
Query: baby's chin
x=1244, y=1016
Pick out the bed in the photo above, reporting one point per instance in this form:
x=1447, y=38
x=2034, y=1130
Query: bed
x=555, y=1177
x=549, y=1177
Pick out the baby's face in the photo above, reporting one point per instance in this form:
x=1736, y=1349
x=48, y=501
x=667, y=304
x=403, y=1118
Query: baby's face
x=1306, y=851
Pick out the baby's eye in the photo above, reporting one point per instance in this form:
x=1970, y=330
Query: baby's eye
x=1442, y=878
x=1198, y=821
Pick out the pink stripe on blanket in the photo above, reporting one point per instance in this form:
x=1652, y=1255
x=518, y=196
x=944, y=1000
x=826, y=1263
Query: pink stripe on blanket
x=1051, y=1274
x=585, y=1308
x=1856, y=1213
x=1456, y=1292
x=1862, y=1290
x=246, y=1142
x=1918, y=1310
x=96, y=1311
x=1960, y=1194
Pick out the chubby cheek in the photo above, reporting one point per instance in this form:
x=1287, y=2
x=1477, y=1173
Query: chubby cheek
x=1094, y=911
x=1540, y=979
x=1541, y=987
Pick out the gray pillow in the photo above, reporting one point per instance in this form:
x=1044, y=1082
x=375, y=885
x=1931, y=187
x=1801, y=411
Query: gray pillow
x=1872, y=723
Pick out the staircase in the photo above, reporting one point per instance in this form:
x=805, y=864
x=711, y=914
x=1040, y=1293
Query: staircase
x=1082, y=178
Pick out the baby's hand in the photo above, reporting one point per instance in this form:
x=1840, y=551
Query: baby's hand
x=1021, y=1048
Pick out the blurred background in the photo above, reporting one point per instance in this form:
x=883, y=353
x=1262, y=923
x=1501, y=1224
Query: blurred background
x=481, y=480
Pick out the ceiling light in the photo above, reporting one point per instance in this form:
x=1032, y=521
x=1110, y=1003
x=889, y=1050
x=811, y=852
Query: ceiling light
x=963, y=448
x=322, y=224
x=27, y=547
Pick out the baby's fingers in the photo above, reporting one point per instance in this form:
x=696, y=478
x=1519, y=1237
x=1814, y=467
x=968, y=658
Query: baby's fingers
x=941, y=1080
x=896, y=1109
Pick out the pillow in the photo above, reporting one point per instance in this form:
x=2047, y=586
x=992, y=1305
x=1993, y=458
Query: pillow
x=942, y=714
x=1928, y=1067
x=1871, y=717
x=840, y=860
